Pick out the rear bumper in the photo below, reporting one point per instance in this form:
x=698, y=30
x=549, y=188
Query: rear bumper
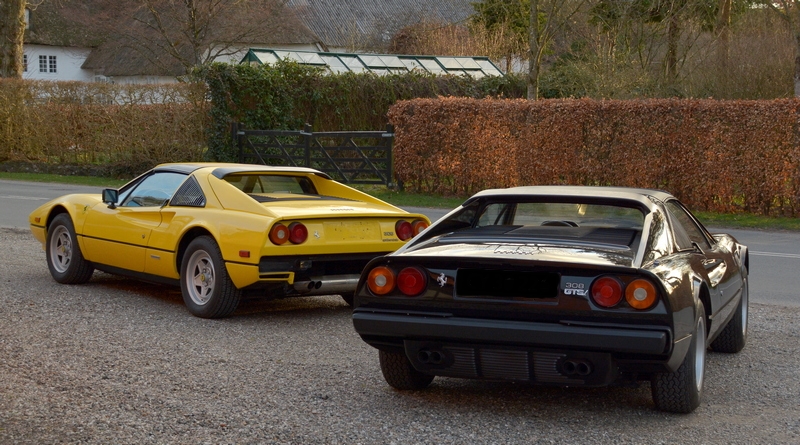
x=608, y=338
x=303, y=274
x=545, y=353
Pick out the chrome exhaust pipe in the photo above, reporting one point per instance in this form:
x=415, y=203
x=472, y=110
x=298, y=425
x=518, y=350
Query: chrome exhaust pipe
x=336, y=284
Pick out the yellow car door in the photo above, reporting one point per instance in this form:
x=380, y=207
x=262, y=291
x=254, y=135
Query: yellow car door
x=118, y=234
x=118, y=237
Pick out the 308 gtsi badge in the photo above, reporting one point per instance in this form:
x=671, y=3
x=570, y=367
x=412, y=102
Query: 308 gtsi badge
x=559, y=285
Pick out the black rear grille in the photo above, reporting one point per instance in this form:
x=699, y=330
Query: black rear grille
x=317, y=265
x=506, y=283
x=509, y=363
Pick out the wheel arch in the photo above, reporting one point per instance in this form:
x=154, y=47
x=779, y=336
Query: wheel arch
x=55, y=211
x=746, y=260
x=186, y=239
x=705, y=297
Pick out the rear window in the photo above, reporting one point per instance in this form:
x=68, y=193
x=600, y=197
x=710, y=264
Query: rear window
x=560, y=214
x=272, y=184
x=612, y=223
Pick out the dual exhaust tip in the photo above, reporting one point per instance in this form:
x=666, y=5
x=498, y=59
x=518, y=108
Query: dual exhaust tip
x=429, y=357
x=580, y=368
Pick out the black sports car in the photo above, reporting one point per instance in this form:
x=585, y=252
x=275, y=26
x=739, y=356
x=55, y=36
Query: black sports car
x=559, y=285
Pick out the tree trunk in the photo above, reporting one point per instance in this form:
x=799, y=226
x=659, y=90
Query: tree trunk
x=12, y=32
x=723, y=32
x=797, y=64
x=533, y=55
x=673, y=34
x=723, y=46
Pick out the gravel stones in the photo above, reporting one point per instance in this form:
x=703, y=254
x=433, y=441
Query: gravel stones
x=120, y=361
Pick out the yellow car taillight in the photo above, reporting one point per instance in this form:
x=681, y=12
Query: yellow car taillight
x=279, y=234
x=418, y=226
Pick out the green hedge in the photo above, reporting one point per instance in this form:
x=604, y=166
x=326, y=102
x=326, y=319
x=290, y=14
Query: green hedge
x=287, y=95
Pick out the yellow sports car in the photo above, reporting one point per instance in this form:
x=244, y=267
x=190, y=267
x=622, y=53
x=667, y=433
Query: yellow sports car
x=222, y=231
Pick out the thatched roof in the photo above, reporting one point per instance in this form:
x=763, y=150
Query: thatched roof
x=124, y=46
x=53, y=23
x=370, y=24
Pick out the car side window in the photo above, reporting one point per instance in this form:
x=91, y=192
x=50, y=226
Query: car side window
x=154, y=190
x=685, y=222
x=496, y=214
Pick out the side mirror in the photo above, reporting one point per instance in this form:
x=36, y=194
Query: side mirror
x=110, y=197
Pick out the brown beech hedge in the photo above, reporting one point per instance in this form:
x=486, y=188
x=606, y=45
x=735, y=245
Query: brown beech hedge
x=723, y=156
x=128, y=127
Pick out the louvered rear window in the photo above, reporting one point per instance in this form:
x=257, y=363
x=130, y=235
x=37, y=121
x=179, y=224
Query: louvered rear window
x=189, y=195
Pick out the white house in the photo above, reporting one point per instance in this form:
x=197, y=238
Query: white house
x=63, y=41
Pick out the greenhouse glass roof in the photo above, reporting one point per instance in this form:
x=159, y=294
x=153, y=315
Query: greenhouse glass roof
x=378, y=63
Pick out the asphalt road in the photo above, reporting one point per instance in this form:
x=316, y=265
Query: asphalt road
x=774, y=261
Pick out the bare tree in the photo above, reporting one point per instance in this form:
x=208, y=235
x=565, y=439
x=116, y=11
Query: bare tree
x=178, y=35
x=547, y=19
x=12, y=31
x=789, y=10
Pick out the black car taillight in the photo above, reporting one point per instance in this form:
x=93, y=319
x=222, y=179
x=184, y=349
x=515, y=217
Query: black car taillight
x=412, y=281
x=608, y=292
x=381, y=280
x=641, y=294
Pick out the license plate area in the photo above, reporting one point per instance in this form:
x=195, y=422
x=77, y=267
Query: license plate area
x=506, y=284
x=352, y=230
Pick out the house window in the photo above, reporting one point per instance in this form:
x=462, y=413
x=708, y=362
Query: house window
x=25, y=63
x=47, y=64
x=27, y=18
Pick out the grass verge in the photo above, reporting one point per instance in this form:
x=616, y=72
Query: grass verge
x=405, y=199
x=63, y=179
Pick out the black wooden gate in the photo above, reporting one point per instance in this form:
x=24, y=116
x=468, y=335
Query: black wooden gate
x=351, y=157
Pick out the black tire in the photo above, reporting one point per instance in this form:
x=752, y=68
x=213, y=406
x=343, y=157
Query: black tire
x=681, y=391
x=64, y=257
x=348, y=298
x=207, y=289
x=399, y=373
x=734, y=335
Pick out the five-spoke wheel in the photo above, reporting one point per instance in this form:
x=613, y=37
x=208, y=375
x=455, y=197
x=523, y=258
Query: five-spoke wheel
x=64, y=257
x=207, y=289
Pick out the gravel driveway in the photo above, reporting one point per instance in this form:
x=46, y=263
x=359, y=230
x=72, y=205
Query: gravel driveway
x=118, y=361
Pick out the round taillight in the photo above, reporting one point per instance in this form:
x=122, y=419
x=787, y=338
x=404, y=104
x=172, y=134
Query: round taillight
x=380, y=280
x=640, y=294
x=297, y=233
x=403, y=230
x=607, y=291
x=411, y=281
x=418, y=226
x=279, y=234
